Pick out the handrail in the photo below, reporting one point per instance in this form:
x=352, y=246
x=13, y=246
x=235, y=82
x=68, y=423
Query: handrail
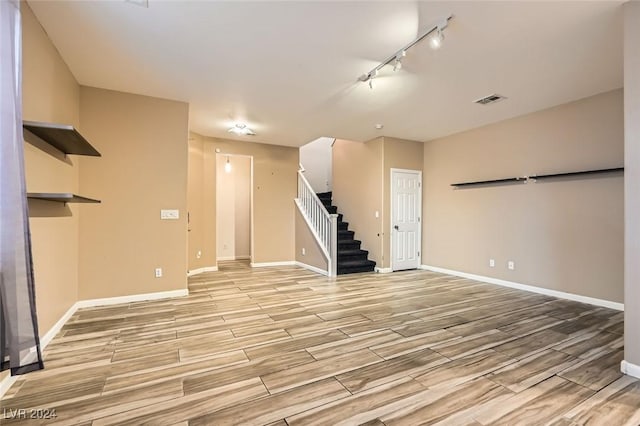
x=323, y=225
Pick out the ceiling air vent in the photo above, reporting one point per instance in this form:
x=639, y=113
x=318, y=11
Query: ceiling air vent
x=490, y=99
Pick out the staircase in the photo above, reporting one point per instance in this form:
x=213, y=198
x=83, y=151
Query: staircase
x=351, y=258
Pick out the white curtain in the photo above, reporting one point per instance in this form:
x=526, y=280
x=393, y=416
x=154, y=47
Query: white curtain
x=19, y=340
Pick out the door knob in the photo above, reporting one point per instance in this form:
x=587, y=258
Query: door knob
x=396, y=227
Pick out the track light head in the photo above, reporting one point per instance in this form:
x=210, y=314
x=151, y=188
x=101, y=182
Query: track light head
x=373, y=74
x=397, y=64
x=436, y=39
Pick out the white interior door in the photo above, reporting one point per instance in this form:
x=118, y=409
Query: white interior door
x=406, y=209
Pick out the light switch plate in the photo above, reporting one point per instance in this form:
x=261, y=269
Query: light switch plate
x=170, y=214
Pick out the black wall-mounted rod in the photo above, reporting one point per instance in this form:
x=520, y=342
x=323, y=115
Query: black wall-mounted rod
x=585, y=172
x=525, y=179
x=489, y=182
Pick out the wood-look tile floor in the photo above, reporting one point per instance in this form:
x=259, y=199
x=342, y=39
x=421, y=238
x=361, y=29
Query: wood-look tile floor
x=278, y=346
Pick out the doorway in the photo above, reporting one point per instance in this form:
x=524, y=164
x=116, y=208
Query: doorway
x=234, y=219
x=406, y=212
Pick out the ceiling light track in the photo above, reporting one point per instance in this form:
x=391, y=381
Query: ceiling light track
x=435, y=42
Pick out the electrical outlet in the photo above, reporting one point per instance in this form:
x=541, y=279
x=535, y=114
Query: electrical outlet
x=304, y=251
x=511, y=265
x=492, y=263
x=158, y=272
x=199, y=254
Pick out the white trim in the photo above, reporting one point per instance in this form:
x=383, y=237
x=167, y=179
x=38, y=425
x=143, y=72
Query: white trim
x=223, y=258
x=8, y=381
x=391, y=199
x=49, y=335
x=265, y=264
x=197, y=271
x=131, y=298
x=383, y=270
x=540, y=290
x=251, y=195
x=226, y=258
x=630, y=369
x=313, y=268
x=251, y=212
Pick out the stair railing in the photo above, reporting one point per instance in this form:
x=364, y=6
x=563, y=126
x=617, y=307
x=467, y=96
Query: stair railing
x=323, y=225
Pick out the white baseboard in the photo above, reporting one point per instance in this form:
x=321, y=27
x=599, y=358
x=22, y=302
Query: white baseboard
x=630, y=369
x=263, y=264
x=233, y=258
x=540, y=290
x=313, y=268
x=197, y=271
x=7, y=382
x=49, y=335
x=383, y=270
x=132, y=298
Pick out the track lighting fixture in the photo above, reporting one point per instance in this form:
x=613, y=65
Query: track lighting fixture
x=435, y=41
x=241, y=129
x=227, y=166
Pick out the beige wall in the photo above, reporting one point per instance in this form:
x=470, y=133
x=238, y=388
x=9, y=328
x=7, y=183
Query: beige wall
x=274, y=188
x=358, y=191
x=143, y=169
x=305, y=240
x=50, y=93
x=632, y=181
x=201, y=204
x=233, y=207
x=398, y=154
x=362, y=186
x=195, y=200
x=316, y=159
x=563, y=235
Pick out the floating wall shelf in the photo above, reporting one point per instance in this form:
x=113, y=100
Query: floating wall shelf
x=62, y=137
x=582, y=173
x=525, y=179
x=64, y=197
x=491, y=182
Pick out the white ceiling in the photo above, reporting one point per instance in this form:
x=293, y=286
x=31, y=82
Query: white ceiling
x=289, y=69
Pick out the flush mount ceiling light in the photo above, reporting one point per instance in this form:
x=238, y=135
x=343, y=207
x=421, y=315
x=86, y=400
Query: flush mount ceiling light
x=241, y=129
x=436, y=38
